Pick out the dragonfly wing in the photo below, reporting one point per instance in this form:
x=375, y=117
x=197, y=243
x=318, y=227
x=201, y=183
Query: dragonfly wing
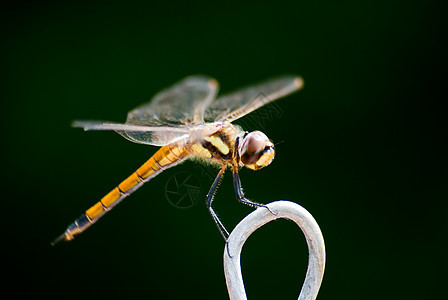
x=237, y=104
x=169, y=116
x=149, y=135
x=182, y=103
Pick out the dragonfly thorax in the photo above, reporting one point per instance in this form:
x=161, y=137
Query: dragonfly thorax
x=256, y=151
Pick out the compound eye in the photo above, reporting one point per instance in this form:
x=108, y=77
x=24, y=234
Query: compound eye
x=253, y=146
x=255, y=143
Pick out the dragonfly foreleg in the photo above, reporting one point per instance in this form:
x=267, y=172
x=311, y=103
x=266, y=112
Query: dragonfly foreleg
x=240, y=194
x=210, y=195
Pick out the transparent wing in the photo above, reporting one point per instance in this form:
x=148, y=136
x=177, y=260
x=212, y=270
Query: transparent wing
x=169, y=116
x=149, y=135
x=182, y=103
x=237, y=104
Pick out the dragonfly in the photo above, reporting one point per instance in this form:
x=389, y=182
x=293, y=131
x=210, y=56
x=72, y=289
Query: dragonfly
x=187, y=120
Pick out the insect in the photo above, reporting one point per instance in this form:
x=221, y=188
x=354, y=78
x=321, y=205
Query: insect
x=187, y=121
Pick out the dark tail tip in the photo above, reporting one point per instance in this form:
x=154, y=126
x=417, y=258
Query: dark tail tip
x=62, y=237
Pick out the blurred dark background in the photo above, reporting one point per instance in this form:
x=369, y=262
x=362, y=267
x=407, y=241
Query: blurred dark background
x=362, y=147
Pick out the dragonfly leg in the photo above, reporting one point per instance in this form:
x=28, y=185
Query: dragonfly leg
x=210, y=195
x=240, y=194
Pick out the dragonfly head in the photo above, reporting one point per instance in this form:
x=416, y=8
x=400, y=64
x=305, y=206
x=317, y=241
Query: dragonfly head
x=256, y=150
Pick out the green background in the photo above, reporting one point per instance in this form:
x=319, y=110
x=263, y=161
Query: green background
x=362, y=147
